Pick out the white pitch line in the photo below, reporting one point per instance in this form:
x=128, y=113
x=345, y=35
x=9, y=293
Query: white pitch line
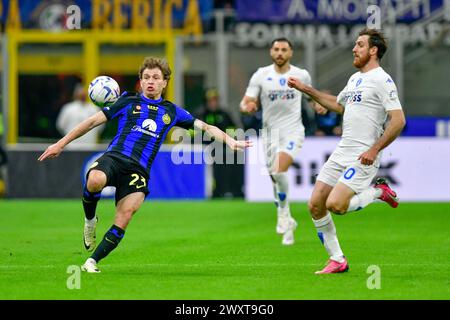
x=238, y=265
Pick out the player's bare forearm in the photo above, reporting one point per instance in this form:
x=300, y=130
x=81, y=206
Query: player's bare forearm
x=394, y=128
x=324, y=99
x=221, y=136
x=82, y=128
x=85, y=126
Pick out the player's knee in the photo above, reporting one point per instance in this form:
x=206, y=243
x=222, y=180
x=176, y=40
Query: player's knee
x=96, y=181
x=336, y=207
x=315, y=209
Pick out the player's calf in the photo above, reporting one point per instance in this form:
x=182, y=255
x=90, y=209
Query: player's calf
x=110, y=241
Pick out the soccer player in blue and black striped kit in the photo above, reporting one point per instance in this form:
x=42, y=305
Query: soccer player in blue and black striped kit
x=144, y=121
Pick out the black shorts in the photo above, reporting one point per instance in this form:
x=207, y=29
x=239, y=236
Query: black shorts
x=124, y=174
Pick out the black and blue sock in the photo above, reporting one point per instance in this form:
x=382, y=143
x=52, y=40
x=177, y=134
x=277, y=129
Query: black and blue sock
x=110, y=241
x=90, y=200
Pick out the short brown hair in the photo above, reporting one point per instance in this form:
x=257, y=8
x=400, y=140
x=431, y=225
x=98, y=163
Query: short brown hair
x=282, y=39
x=153, y=63
x=376, y=39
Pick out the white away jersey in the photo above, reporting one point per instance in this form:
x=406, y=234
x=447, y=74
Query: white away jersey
x=281, y=105
x=366, y=98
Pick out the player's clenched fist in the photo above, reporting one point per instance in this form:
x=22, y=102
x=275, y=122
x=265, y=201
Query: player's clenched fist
x=296, y=83
x=249, y=107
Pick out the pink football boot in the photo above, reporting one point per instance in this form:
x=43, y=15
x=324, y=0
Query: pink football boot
x=334, y=267
x=388, y=195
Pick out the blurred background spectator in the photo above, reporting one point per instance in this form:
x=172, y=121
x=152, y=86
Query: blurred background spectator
x=226, y=180
x=76, y=111
x=327, y=123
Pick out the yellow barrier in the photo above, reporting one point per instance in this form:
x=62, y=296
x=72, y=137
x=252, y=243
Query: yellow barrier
x=89, y=63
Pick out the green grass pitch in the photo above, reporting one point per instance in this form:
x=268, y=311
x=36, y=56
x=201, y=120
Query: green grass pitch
x=223, y=250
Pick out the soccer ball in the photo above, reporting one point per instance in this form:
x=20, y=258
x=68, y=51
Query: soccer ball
x=103, y=91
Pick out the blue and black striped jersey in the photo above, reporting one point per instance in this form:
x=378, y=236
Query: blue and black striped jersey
x=143, y=126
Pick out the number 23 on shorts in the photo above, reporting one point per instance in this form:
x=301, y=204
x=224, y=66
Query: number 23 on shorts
x=134, y=180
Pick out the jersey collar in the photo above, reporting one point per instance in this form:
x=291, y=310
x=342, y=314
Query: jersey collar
x=149, y=100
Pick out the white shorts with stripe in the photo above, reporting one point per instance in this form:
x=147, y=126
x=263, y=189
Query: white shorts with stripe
x=348, y=170
x=289, y=143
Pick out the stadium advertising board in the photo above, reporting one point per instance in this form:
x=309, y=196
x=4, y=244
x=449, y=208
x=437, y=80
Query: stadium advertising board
x=328, y=36
x=168, y=180
x=184, y=15
x=335, y=23
x=416, y=167
x=333, y=11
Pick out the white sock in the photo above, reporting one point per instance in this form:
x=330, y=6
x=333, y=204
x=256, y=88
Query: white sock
x=282, y=188
x=363, y=199
x=327, y=234
x=275, y=194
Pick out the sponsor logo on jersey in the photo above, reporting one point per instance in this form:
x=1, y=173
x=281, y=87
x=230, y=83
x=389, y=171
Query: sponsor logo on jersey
x=353, y=96
x=281, y=95
x=166, y=118
x=149, y=124
x=148, y=127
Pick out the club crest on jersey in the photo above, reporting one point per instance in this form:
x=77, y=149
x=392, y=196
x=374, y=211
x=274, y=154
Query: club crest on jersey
x=358, y=82
x=282, y=81
x=166, y=119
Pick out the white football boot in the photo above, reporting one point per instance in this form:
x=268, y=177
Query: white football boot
x=283, y=220
x=288, y=236
x=89, y=233
x=90, y=266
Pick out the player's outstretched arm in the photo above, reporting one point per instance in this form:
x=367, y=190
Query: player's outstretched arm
x=55, y=149
x=324, y=99
x=318, y=108
x=393, y=129
x=221, y=136
x=248, y=105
